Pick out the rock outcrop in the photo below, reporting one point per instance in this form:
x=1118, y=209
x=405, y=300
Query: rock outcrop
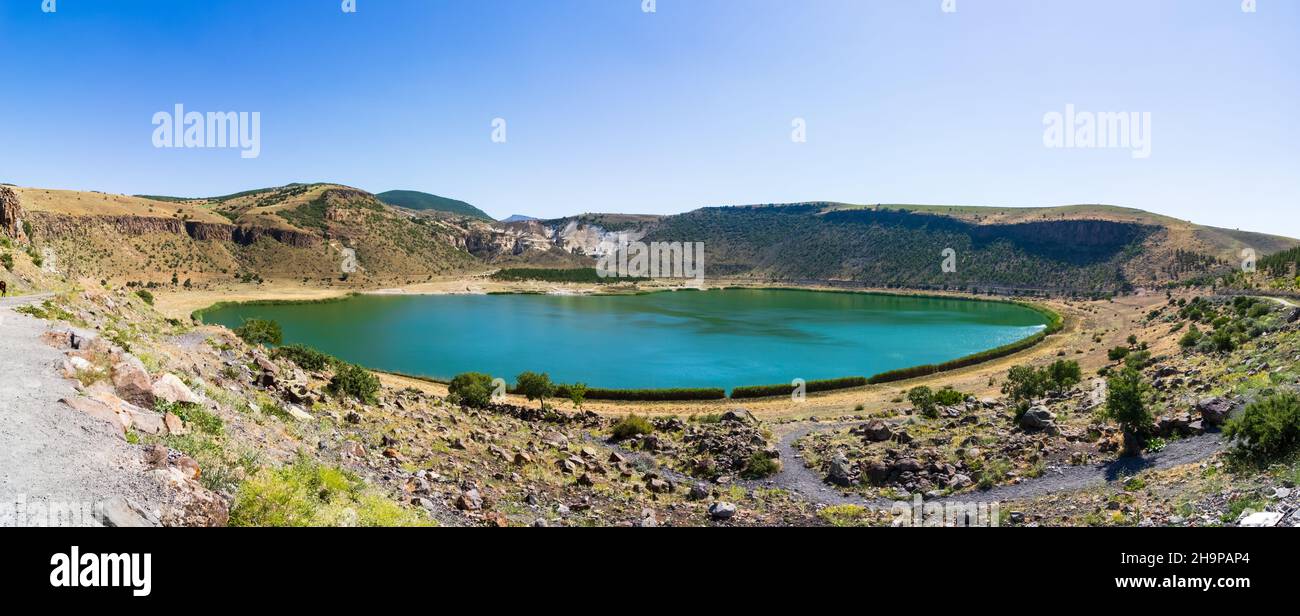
x=11, y=213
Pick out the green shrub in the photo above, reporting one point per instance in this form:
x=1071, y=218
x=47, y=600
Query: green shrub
x=631, y=426
x=258, y=331
x=353, y=380
x=1267, y=430
x=1221, y=341
x=846, y=515
x=306, y=358
x=922, y=399
x=145, y=295
x=1118, y=353
x=307, y=493
x=653, y=395
x=1138, y=360
x=195, y=416
x=471, y=389
x=784, y=389
x=949, y=397
x=759, y=466
x=7, y=260
x=1191, y=338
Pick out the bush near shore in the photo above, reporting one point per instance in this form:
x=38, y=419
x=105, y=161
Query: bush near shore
x=785, y=389
x=649, y=395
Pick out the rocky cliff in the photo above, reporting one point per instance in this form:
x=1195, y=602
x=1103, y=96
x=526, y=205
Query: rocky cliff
x=11, y=213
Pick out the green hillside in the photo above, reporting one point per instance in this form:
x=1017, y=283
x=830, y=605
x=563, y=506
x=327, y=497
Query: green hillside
x=415, y=200
x=898, y=248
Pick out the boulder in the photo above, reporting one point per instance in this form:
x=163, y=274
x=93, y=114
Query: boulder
x=131, y=380
x=739, y=416
x=116, y=512
x=1259, y=519
x=556, y=440
x=722, y=510
x=1037, y=418
x=877, y=431
x=699, y=491
x=298, y=413
x=101, y=410
x=145, y=421
x=1214, y=411
x=469, y=500
x=170, y=388
x=841, y=471
x=648, y=519
x=174, y=424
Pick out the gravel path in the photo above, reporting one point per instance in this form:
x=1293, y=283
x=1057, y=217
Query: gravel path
x=796, y=477
x=51, y=455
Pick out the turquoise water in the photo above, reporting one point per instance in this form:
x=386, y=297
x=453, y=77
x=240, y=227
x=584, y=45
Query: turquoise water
x=723, y=338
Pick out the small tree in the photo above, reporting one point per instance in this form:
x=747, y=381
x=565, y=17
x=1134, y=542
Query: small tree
x=1191, y=338
x=535, y=386
x=258, y=331
x=1064, y=375
x=1024, y=383
x=577, y=394
x=471, y=389
x=1127, y=400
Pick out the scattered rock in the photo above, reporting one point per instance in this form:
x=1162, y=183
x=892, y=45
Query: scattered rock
x=740, y=416
x=1214, y=411
x=170, y=388
x=841, y=471
x=116, y=512
x=1259, y=519
x=132, y=382
x=700, y=491
x=722, y=510
x=469, y=500
x=876, y=431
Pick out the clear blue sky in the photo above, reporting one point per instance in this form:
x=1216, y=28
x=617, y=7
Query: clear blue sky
x=613, y=109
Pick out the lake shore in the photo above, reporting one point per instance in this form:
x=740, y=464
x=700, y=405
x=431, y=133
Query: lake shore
x=1082, y=320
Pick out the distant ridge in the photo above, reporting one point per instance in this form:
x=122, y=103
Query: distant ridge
x=519, y=218
x=415, y=200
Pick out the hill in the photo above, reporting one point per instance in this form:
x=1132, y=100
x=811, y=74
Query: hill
x=419, y=201
x=298, y=232
x=304, y=234
x=1072, y=249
